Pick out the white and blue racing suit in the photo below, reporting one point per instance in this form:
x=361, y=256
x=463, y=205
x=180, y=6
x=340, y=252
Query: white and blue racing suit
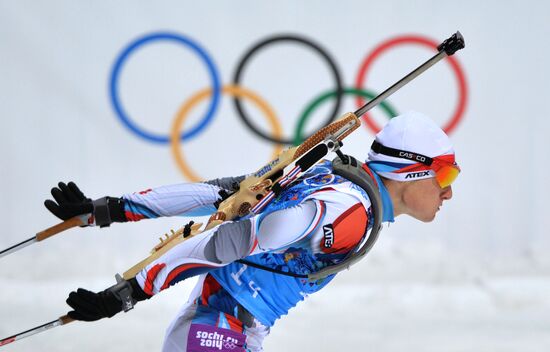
x=312, y=224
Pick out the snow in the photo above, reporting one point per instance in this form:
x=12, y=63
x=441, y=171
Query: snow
x=496, y=313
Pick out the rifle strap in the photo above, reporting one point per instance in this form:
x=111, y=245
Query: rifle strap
x=349, y=168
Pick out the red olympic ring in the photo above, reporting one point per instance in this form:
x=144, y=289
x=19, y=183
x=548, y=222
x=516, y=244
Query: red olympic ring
x=411, y=39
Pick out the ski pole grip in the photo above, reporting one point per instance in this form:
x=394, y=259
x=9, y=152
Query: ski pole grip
x=452, y=44
x=65, y=225
x=66, y=319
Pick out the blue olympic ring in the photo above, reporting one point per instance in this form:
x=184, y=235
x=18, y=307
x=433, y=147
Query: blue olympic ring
x=180, y=39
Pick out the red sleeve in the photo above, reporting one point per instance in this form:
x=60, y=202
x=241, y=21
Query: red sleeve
x=346, y=231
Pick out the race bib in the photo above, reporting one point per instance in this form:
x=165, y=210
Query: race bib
x=206, y=338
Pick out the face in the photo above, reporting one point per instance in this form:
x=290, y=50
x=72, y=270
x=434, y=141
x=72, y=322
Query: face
x=422, y=199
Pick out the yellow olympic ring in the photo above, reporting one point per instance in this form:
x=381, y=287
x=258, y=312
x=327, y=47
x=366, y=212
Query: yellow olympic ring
x=183, y=113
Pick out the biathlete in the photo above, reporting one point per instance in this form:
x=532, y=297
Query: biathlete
x=253, y=270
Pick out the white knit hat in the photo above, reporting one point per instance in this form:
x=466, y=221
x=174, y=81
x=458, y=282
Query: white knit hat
x=412, y=132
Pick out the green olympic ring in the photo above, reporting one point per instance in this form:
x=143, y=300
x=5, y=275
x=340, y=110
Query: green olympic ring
x=298, y=135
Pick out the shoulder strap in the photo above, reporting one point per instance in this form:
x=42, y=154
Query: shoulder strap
x=349, y=168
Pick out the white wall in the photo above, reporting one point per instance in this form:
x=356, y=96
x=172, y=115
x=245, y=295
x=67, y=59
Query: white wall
x=57, y=123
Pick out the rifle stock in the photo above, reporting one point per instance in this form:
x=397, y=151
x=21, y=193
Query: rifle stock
x=257, y=185
x=164, y=246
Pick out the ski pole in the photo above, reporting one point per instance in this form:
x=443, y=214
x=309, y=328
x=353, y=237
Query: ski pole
x=47, y=233
x=52, y=324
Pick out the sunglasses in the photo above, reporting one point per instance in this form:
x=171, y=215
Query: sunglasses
x=445, y=168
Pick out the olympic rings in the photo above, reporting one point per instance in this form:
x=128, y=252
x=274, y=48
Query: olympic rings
x=237, y=92
x=298, y=139
x=147, y=39
x=409, y=39
x=194, y=100
x=286, y=38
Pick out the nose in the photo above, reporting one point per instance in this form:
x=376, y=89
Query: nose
x=447, y=193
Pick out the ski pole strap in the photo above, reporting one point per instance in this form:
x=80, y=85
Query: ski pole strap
x=108, y=210
x=123, y=291
x=101, y=212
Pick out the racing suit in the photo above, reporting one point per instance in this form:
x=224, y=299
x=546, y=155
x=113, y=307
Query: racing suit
x=312, y=224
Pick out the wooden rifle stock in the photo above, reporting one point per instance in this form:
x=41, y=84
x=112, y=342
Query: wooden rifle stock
x=257, y=185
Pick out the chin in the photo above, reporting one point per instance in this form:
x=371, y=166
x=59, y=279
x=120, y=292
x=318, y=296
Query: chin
x=426, y=218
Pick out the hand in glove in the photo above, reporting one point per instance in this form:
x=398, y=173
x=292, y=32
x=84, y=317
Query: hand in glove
x=70, y=202
x=90, y=306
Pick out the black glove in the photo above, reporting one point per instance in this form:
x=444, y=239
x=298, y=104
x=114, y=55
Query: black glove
x=70, y=202
x=90, y=306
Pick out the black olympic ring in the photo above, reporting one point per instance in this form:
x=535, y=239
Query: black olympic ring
x=287, y=38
